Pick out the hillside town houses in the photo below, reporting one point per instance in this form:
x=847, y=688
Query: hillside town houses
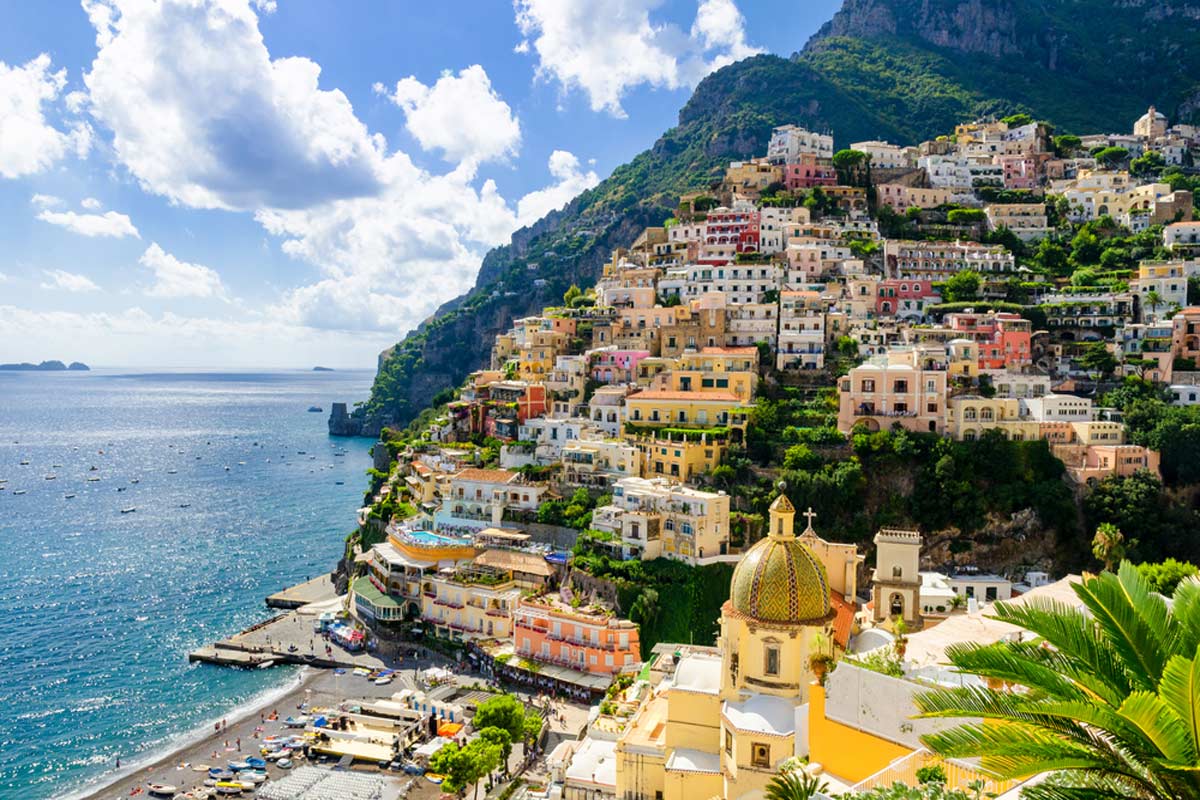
x=634, y=391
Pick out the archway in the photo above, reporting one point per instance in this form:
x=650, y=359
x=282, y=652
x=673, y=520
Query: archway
x=896, y=604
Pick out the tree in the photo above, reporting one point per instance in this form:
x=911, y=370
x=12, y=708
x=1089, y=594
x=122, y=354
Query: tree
x=962, y=287
x=965, y=216
x=1165, y=576
x=1154, y=300
x=1108, y=545
x=464, y=767
x=1148, y=164
x=644, y=610
x=1066, y=143
x=1097, y=360
x=794, y=785
x=1017, y=120
x=1110, y=156
x=502, y=739
x=1111, y=706
x=503, y=711
x=572, y=294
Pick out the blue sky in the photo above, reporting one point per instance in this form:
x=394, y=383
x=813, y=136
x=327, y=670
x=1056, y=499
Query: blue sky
x=292, y=182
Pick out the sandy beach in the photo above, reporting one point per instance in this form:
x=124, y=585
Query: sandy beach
x=178, y=767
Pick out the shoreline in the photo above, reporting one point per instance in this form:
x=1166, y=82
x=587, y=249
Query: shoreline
x=197, y=745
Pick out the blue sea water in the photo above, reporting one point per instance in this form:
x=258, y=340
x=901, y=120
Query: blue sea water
x=99, y=608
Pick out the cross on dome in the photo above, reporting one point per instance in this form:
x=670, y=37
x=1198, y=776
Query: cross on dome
x=809, y=514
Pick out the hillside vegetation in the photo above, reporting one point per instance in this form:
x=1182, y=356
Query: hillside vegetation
x=903, y=70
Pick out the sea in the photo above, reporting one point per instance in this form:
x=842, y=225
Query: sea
x=215, y=489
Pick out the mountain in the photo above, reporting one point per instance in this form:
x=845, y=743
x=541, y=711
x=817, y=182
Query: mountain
x=45, y=366
x=902, y=70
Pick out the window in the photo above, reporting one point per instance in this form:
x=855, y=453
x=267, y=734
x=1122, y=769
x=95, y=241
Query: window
x=760, y=755
x=868, y=385
x=900, y=387
x=989, y=593
x=728, y=743
x=771, y=659
x=897, y=572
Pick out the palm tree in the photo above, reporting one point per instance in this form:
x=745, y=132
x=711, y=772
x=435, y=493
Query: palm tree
x=794, y=785
x=1107, y=697
x=1154, y=300
x=1108, y=545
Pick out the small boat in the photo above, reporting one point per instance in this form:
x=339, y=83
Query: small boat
x=296, y=722
x=51, y=477
x=219, y=773
x=24, y=462
x=339, y=483
x=122, y=488
x=315, y=409
x=161, y=789
x=129, y=510
x=266, y=664
x=434, y=778
x=228, y=787
x=68, y=496
x=284, y=763
x=254, y=777
x=172, y=471
x=227, y=468
x=185, y=505
x=93, y=468
x=93, y=478
x=135, y=480
x=384, y=681
x=238, y=766
x=19, y=491
x=241, y=463
x=256, y=763
x=246, y=784
x=283, y=752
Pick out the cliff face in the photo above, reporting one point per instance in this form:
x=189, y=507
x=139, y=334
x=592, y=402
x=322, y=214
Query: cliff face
x=902, y=70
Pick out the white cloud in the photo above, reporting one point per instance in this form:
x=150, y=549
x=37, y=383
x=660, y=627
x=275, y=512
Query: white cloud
x=605, y=47
x=28, y=142
x=45, y=200
x=462, y=116
x=91, y=204
x=110, y=223
x=200, y=113
x=68, y=281
x=564, y=167
x=266, y=6
x=3, y=278
x=175, y=278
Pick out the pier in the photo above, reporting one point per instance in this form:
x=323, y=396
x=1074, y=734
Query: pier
x=317, y=590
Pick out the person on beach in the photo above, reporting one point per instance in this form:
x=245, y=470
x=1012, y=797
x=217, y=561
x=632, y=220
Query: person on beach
x=239, y=743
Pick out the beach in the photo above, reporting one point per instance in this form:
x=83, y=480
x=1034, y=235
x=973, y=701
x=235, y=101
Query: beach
x=177, y=768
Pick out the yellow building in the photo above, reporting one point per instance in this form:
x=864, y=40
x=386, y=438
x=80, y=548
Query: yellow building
x=727, y=719
x=680, y=408
x=680, y=455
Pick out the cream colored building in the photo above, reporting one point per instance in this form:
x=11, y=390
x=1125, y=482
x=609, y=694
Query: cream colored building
x=658, y=518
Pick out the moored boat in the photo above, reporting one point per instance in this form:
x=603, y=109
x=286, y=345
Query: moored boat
x=284, y=763
x=161, y=789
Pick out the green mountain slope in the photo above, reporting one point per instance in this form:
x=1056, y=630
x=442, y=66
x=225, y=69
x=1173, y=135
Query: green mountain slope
x=903, y=70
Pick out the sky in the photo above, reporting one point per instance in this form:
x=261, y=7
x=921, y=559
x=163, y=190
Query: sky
x=284, y=183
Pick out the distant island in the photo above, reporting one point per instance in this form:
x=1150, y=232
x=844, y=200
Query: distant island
x=46, y=366
x=322, y=369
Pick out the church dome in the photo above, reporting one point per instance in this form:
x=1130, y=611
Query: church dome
x=779, y=579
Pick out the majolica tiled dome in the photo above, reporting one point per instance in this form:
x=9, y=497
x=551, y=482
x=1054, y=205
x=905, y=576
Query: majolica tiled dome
x=780, y=580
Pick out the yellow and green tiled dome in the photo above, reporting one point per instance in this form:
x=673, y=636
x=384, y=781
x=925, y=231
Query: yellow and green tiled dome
x=779, y=579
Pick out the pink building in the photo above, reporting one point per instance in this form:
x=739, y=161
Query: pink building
x=1020, y=171
x=807, y=172
x=1004, y=338
x=904, y=298
x=617, y=366
x=738, y=228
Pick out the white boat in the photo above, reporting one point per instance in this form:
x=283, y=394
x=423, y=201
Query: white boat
x=284, y=763
x=135, y=480
x=172, y=471
x=129, y=510
x=161, y=789
x=93, y=478
x=19, y=491
x=51, y=477
x=384, y=681
x=25, y=462
x=68, y=496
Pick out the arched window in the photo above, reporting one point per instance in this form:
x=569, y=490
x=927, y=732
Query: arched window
x=897, y=605
x=897, y=572
x=771, y=659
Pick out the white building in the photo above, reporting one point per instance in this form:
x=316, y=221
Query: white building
x=885, y=155
x=656, y=518
x=801, y=343
x=789, y=141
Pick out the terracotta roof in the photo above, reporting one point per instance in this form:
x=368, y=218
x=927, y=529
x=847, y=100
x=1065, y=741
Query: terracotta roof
x=531, y=563
x=485, y=475
x=724, y=397
x=843, y=622
x=729, y=351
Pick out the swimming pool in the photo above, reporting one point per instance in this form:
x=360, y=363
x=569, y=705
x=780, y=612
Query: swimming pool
x=431, y=538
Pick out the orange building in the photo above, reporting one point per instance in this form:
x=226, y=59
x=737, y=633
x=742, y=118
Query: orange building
x=586, y=639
